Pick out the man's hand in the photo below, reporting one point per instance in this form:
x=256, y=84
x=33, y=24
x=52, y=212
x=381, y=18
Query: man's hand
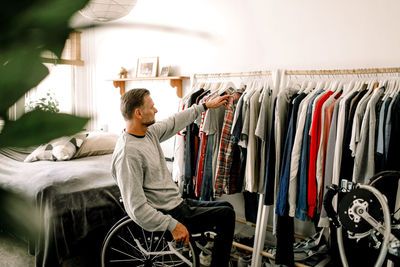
x=217, y=102
x=180, y=233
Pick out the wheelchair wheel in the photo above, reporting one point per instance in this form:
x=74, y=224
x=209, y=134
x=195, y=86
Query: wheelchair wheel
x=127, y=244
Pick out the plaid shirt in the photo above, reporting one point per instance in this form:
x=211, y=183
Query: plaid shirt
x=224, y=182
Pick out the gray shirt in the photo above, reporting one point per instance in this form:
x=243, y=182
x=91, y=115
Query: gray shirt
x=263, y=124
x=364, y=166
x=140, y=170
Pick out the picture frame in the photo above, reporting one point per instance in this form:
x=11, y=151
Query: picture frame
x=164, y=71
x=147, y=67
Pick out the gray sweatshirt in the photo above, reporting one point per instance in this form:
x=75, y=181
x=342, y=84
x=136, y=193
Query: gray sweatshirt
x=140, y=170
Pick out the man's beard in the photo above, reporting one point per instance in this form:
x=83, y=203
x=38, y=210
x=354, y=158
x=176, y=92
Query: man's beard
x=148, y=123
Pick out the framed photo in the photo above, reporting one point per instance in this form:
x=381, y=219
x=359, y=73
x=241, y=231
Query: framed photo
x=147, y=67
x=164, y=72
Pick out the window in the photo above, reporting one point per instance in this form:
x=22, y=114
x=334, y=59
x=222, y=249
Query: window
x=58, y=83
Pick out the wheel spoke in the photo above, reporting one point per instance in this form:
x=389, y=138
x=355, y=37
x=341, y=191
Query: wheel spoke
x=141, y=252
x=168, y=263
x=129, y=255
x=145, y=240
x=161, y=238
x=161, y=250
x=151, y=241
x=133, y=238
x=124, y=260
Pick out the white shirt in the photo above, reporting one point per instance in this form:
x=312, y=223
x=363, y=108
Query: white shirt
x=252, y=171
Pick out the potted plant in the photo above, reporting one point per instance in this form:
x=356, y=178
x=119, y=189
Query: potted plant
x=46, y=103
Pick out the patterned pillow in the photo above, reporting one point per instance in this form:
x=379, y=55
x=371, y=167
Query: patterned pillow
x=62, y=148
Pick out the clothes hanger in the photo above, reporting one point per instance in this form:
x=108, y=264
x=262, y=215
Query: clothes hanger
x=289, y=83
x=256, y=86
x=392, y=86
x=262, y=84
x=354, y=85
x=195, y=88
x=319, y=85
x=348, y=80
x=303, y=86
x=389, y=86
x=339, y=88
x=207, y=85
x=370, y=87
x=270, y=85
x=230, y=87
x=392, y=89
x=346, y=87
x=299, y=85
x=397, y=90
x=249, y=88
x=310, y=87
x=335, y=85
x=242, y=83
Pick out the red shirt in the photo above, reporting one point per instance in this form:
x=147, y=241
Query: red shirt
x=315, y=139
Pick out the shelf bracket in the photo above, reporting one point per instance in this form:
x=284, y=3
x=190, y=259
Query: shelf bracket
x=178, y=84
x=120, y=85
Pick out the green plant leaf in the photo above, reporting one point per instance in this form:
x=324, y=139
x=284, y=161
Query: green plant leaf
x=38, y=127
x=50, y=17
x=18, y=215
x=29, y=27
x=22, y=72
x=40, y=23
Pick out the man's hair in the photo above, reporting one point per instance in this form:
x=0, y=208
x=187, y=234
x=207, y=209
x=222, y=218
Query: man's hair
x=131, y=100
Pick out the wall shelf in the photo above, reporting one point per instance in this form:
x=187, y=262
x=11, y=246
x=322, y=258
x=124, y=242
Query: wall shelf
x=174, y=81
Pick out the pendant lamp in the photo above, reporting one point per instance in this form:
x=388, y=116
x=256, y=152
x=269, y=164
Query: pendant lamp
x=107, y=10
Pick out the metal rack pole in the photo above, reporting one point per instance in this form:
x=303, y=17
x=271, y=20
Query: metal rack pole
x=343, y=71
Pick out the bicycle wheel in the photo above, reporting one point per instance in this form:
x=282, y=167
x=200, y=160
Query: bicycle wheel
x=127, y=244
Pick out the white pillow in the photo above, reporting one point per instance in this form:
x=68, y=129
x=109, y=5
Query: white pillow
x=97, y=143
x=62, y=148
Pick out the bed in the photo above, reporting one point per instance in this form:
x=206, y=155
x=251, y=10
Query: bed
x=74, y=198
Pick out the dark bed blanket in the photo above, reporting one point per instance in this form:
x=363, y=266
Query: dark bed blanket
x=74, y=198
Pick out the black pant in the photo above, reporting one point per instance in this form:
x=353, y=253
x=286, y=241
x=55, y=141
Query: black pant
x=217, y=216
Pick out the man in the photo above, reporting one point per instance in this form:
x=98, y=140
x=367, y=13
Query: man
x=150, y=196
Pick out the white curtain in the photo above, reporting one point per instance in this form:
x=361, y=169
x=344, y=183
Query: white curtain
x=83, y=92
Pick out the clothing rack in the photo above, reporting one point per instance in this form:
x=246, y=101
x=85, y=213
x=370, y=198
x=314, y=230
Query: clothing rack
x=262, y=214
x=343, y=72
x=263, y=211
x=254, y=250
x=232, y=74
x=261, y=224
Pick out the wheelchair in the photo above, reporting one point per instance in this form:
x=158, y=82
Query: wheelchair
x=368, y=214
x=128, y=244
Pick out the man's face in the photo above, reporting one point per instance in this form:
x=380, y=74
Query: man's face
x=148, y=111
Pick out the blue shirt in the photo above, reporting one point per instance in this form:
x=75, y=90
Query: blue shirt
x=301, y=208
x=281, y=203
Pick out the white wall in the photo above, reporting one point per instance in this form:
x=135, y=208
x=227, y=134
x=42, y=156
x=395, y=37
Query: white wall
x=231, y=36
x=210, y=36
